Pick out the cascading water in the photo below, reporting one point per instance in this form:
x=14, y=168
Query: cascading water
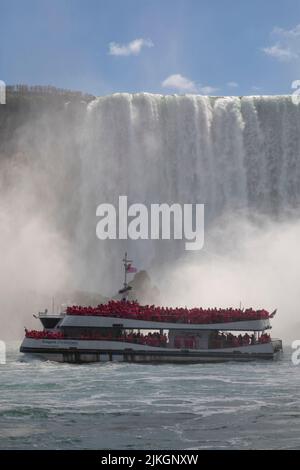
x=226, y=152
x=232, y=154
x=238, y=156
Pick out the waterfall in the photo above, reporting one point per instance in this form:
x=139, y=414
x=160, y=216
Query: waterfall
x=235, y=155
x=232, y=154
x=227, y=153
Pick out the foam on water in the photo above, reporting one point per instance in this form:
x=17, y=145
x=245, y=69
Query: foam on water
x=111, y=405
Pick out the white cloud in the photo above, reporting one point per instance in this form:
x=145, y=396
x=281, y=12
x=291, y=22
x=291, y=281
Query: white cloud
x=185, y=85
x=132, y=48
x=294, y=32
x=208, y=90
x=280, y=53
x=180, y=83
x=287, y=45
x=232, y=84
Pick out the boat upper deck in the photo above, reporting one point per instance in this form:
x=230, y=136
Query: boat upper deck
x=133, y=315
x=90, y=321
x=133, y=310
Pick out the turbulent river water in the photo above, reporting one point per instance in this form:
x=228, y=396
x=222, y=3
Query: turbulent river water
x=44, y=405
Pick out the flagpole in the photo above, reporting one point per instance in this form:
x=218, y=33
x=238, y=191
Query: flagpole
x=125, y=269
x=126, y=263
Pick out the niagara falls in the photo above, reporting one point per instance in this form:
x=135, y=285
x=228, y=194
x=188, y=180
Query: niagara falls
x=237, y=156
x=149, y=229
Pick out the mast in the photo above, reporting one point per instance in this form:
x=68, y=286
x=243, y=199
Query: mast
x=126, y=288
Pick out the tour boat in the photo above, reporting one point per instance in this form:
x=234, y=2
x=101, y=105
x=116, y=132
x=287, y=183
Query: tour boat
x=124, y=330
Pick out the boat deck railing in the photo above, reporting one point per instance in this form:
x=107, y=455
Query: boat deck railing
x=50, y=315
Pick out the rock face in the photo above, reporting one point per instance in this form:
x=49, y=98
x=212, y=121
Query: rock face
x=143, y=290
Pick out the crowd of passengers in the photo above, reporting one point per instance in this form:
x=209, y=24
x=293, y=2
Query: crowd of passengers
x=228, y=340
x=217, y=339
x=151, y=339
x=132, y=310
x=35, y=334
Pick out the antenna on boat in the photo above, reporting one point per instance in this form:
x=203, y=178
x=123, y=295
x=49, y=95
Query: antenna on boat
x=127, y=268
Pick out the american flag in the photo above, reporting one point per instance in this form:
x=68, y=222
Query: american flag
x=130, y=269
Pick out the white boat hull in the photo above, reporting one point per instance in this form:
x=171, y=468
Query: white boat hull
x=84, y=351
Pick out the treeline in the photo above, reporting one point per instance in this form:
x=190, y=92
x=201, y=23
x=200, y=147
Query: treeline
x=47, y=90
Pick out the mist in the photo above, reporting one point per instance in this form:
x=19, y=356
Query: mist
x=34, y=266
x=243, y=263
x=62, y=157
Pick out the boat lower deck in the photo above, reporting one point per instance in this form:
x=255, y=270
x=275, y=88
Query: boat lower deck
x=105, y=351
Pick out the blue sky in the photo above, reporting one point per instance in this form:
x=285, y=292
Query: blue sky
x=161, y=46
